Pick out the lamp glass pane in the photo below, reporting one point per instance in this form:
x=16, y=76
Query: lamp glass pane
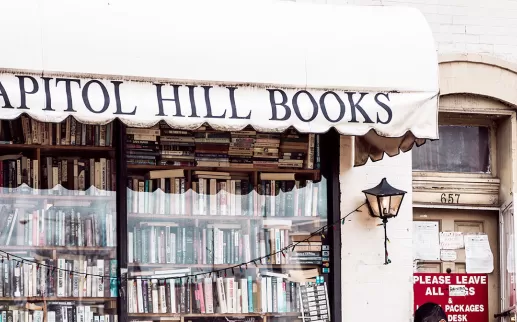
x=385, y=205
x=372, y=200
x=395, y=204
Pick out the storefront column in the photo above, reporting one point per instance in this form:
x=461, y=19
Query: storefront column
x=371, y=289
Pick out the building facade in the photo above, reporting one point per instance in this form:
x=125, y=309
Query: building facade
x=205, y=75
x=466, y=182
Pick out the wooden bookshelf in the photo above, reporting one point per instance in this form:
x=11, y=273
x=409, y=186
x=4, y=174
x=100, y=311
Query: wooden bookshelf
x=192, y=315
x=222, y=266
x=50, y=170
x=220, y=218
x=57, y=148
x=55, y=298
x=247, y=222
x=242, y=243
x=59, y=249
x=28, y=197
x=220, y=169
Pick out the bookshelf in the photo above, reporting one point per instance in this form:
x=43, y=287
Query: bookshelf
x=162, y=203
x=57, y=209
x=205, y=200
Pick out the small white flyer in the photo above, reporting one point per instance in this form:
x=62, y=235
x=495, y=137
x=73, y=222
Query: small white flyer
x=457, y=290
x=451, y=240
x=448, y=255
x=478, y=255
x=426, y=243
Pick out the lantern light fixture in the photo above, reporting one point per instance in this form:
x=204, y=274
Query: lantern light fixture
x=384, y=202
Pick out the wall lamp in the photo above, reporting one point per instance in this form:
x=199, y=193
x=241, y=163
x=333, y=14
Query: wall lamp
x=384, y=202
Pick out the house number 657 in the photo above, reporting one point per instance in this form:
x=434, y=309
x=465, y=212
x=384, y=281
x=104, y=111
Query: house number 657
x=450, y=198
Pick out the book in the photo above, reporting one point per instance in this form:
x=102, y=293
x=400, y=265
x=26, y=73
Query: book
x=26, y=130
x=206, y=147
x=224, y=295
x=207, y=201
x=58, y=221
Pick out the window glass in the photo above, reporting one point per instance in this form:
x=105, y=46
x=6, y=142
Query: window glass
x=459, y=149
x=211, y=216
x=57, y=221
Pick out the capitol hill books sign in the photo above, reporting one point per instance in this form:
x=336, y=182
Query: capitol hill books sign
x=144, y=102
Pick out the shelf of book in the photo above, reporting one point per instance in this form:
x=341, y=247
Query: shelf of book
x=215, y=204
x=60, y=249
x=135, y=167
x=236, y=315
x=27, y=197
x=58, y=221
x=56, y=298
x=197, y=202
x=216, y=267
x=57, y=148
x=159, y=217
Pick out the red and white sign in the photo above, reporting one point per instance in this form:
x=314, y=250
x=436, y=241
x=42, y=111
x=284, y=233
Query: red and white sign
x=464, y=297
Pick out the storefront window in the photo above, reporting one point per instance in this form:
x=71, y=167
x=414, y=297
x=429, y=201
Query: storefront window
x=460, y=149
x=222, y=223
x=58, y=221
x=219, y=224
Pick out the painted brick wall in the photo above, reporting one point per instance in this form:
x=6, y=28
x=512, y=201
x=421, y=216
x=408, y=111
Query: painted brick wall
x=370, y=289
x=463, y=26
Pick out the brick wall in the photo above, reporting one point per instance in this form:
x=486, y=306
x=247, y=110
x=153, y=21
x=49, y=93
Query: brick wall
x=371, y=290
x=463, y=26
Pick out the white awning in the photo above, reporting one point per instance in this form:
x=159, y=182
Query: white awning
x=230, y=64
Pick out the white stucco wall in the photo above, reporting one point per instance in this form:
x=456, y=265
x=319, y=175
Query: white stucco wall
x=371, y=290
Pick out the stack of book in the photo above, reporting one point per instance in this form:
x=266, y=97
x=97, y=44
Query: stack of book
x=296, y=149
x=212, y=148
x=265, y=150
x=204, y=147
x=176, y=146
x=308, y=249
x=241, y=149
x=70, y=132
x=142, y=145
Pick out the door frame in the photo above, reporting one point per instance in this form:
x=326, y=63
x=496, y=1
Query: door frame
x=507, y=311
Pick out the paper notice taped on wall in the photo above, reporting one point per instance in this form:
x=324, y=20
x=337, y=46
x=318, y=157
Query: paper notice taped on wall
x=457, y=290
x=451, y=240
x=478, y=255
x=448, y=255
x=426, y=243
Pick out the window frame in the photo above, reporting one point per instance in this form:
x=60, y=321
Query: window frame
x=465, y=119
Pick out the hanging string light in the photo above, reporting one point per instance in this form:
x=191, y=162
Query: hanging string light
x=52, y=269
